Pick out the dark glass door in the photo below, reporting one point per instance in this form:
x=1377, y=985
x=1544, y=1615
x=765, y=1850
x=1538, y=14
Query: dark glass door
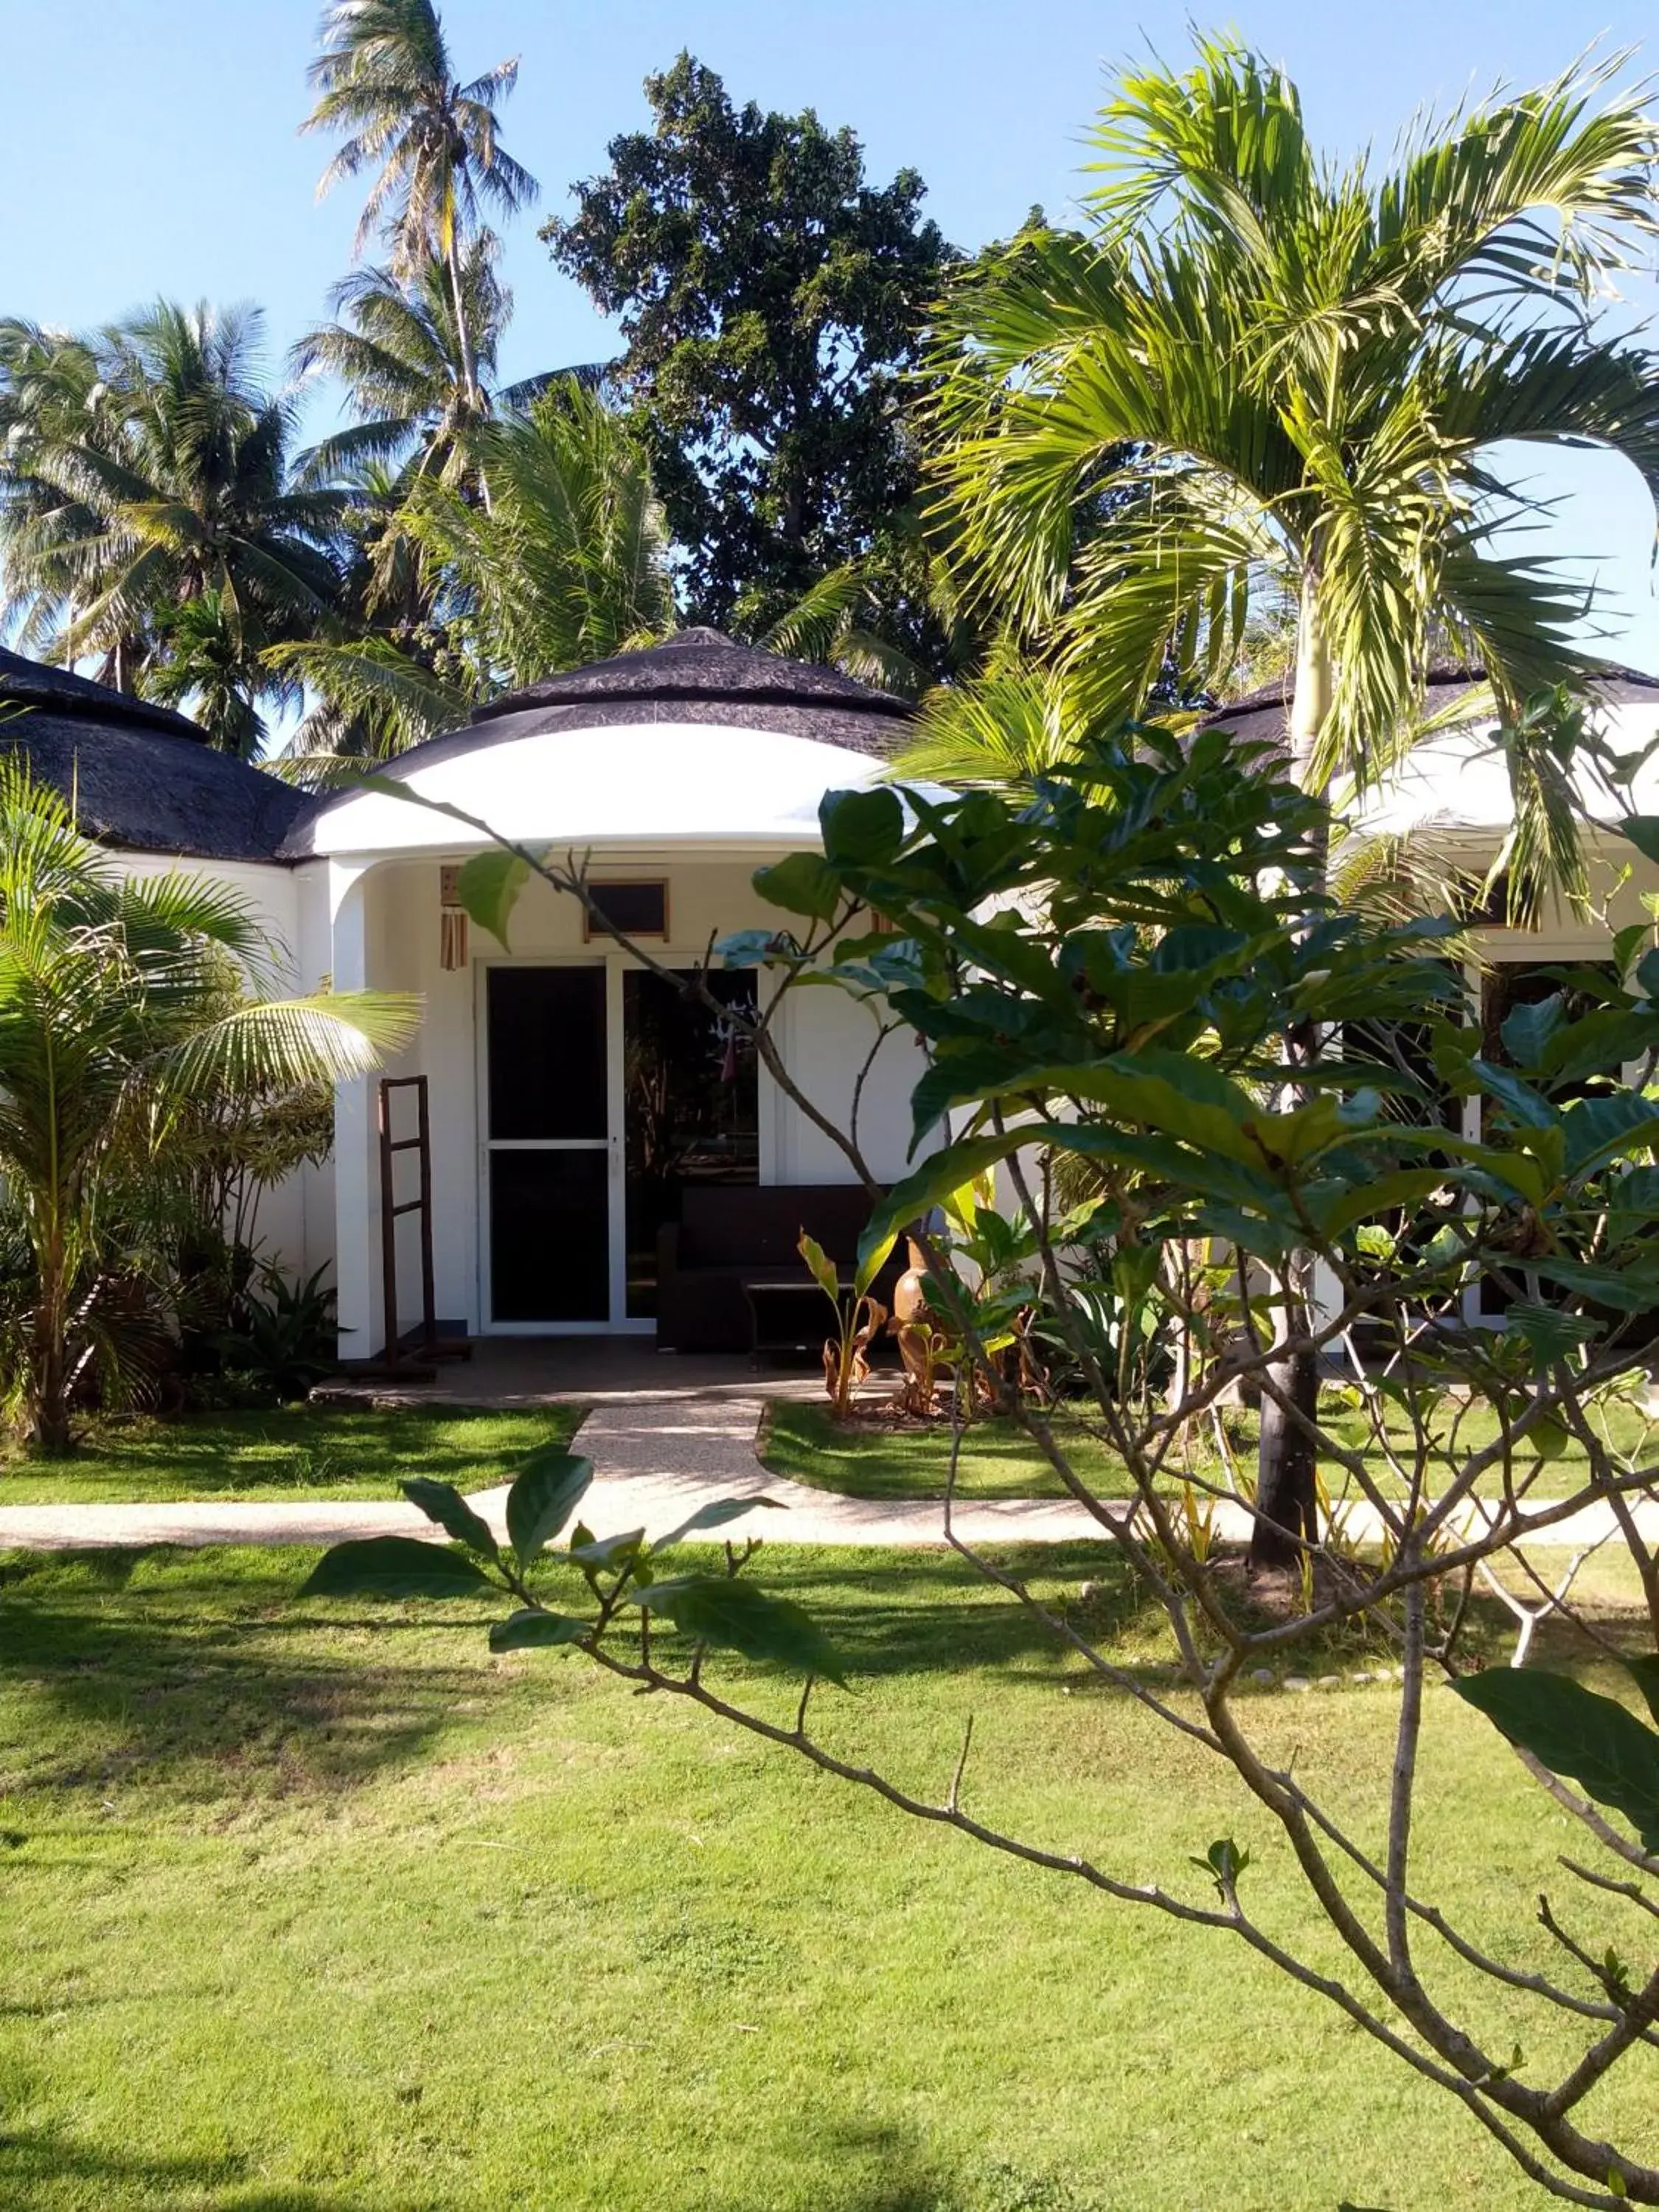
x=549, y=1145
x=690, y=1108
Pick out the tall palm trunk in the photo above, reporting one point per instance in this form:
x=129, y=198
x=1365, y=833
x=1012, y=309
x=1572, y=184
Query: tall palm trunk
x=1286, y=1468
x=470, y=390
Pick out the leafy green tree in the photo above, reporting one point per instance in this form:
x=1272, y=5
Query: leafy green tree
x=1313, y=365
x=145, y=469
x=384, y=75
x=114, y=1024
x=772, y=302
x=1102, y=966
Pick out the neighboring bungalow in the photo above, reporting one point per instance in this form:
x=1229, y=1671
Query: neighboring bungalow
x=572, y=1098
x=578, y=1106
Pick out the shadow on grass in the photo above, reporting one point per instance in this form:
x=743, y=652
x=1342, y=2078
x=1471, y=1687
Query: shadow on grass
x=164, y=1668
x=36, y=2163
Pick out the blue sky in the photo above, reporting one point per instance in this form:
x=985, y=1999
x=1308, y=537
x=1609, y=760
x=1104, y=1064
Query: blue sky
x=151, y=146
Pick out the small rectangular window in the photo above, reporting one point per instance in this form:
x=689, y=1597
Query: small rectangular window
x=639, y=910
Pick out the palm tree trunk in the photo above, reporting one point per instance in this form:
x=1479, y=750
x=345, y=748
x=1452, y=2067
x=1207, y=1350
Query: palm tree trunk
x=47, y=1389
x=470, y=387
x=1286, y=1467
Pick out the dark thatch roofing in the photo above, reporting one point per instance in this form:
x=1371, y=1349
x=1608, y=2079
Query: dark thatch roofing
x=141, y=777
x=1259, y=715
x=695, y=676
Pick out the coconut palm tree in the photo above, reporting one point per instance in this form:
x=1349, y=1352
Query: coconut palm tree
x=1314, y=365
x=145, y=468
x=384, y=75
x=114, y=1020
x=396, y=347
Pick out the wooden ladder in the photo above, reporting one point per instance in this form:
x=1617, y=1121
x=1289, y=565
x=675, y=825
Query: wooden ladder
x=431, y=1343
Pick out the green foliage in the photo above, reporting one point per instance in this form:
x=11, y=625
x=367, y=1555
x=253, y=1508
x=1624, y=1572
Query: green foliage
x=394, y=1567
x=718, y=1611
x=285, y=1341
x=545, y=1493
x=1292, y=373
x=771, y=302
x=116, y=1024
x=147, y=514
x=1578, y=1734
x=725, y=1611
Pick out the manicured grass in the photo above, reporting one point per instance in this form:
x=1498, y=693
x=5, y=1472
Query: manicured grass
x=999, y=1460
x=313, y=1906
x=291, y=1451
x=864, y=1460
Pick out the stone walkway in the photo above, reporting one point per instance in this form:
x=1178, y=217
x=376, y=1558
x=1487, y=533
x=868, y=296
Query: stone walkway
x=656, y=1461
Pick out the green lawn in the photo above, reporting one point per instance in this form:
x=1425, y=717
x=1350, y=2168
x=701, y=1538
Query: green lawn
x=291, y=1451
x=320, y=1906
x=999, y=1460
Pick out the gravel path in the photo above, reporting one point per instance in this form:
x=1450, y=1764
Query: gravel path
x=656, y=1461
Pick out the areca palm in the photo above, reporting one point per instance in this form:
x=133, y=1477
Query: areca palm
x=385, y=76
x=165, y=484
x=565, y=561
x=1313, y=365
x=114, y=1020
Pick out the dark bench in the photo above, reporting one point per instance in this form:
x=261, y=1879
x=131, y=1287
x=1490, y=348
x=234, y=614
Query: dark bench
x=731, y=1234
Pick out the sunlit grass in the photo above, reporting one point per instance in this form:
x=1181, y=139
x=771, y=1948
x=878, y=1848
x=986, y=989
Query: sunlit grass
x=320, y=1905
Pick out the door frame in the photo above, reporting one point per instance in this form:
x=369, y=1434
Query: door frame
x=616, y=965
x=615, y=1323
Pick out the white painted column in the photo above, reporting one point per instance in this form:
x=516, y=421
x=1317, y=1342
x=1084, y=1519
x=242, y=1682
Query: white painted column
x=361, y=1305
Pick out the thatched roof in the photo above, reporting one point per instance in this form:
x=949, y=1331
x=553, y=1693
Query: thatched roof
x=142, y=778
x=1259, y=715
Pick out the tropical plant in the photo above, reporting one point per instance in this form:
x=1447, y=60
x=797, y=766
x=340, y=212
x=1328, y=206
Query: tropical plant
x=859, y=1319
x=145, y=469
x=1104, y=967
x=384, y=75
x=568, y=562
x=115, y=1025
x=284, y=1343
x=1314, y=365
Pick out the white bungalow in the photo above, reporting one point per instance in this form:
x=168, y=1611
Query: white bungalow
x=602, y=1157
x=577, y=1107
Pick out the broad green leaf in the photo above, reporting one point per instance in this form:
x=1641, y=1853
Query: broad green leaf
x=725, y=1610
x=716, y=1516
x=1529, y=1028
x=545, y=1493
x=489, y=885
x=1578, y=1734
x=932, y=1182
x=394, y=1566
x=442, y=1503
x=1523, y=1105
x=804, y=883
x=821, y=1267
x=606, y=1550
x=1550, y=1332
x=530, y=1627
x=1643, y=830
x=861, y=828
x=1609, y=1127
x=1645, y=1667
x=871, y=1264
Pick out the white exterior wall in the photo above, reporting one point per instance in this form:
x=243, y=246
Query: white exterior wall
x=824, y=1038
